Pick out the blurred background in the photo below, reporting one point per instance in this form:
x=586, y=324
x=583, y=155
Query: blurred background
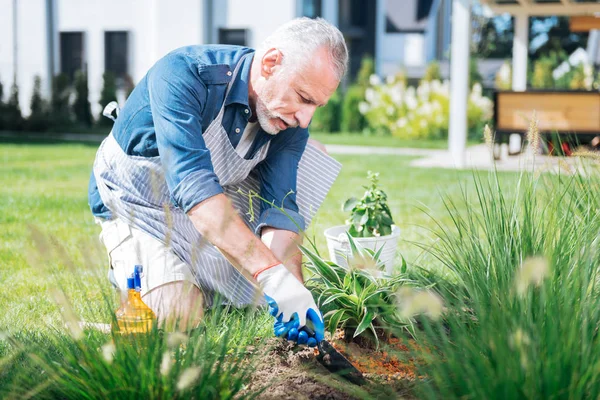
x=61, y=61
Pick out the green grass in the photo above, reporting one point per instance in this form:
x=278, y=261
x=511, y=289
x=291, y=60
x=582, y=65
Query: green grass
x=357, y=139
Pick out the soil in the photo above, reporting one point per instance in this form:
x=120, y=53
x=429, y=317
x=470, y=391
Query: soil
x=293, y=372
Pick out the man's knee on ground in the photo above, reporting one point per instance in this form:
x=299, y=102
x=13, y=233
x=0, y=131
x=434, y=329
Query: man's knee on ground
x=178, y=305
x=318, y=145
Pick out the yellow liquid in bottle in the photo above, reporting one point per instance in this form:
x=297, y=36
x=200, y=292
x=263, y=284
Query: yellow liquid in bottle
x=134, y=316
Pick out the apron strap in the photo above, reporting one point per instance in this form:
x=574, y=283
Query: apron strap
x=230, y=84
x=108, y=110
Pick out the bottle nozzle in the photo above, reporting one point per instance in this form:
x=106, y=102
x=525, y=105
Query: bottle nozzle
x=137, y=277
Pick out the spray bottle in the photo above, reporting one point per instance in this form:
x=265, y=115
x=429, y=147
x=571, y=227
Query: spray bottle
x=134, y=316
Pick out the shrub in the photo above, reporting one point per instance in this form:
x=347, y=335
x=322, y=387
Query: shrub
x=60, y=102
x=13, y=118
x=432, y=72
x=503, y=78
x=38, y=119
x=327, y=118
x=542, y=74
x=367, y=69
x=81, y=105
x=406, y=112
x=108, y=94
x=352, y=119
x=370, y=216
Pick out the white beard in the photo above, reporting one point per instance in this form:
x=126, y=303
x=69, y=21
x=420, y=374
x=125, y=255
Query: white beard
x=264, y=119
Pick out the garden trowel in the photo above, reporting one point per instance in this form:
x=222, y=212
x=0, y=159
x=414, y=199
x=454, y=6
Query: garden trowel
x=335, y=362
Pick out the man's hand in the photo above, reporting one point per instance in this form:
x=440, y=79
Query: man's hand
x=292, y=305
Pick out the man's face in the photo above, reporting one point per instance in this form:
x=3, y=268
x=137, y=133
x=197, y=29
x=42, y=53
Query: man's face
x=288, y=97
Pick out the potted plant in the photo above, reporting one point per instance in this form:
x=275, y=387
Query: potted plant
x=370, y=224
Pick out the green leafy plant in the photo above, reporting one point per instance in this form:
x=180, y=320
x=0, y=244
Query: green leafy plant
x=370, y=216
x=357, y=299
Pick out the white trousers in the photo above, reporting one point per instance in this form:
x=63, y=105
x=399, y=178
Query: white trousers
x=128, y=246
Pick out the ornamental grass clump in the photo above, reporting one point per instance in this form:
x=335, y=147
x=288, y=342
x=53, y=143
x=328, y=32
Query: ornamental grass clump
x=525, y=314
x=206, y=363
x=68, y=358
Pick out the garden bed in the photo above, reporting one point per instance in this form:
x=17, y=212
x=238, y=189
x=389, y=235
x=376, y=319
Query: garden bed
x=292, y=372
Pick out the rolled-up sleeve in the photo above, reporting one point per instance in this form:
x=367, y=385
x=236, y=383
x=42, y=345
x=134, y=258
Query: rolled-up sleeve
x=177, y=97
x=278, y=175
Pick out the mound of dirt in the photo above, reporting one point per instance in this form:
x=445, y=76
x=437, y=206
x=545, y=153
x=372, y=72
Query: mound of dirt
x=293, y=372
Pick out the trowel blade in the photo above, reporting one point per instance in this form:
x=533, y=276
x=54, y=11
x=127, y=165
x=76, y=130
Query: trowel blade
x=335, y=362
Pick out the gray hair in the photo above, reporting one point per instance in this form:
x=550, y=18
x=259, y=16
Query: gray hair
x=300, y=38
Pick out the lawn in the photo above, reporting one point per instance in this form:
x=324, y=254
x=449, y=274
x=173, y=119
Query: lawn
x=43, y=207
x=357, y=139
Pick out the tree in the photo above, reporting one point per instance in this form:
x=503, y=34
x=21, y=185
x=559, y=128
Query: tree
x=59, y=102
x=38, y=119
x=555, y=36
x=81, y=106
x=1, y=105
x=474, y=75
x=108, y=94
x=13, y=118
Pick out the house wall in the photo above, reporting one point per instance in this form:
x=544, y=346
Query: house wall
x=31, y=55
x=261, y=17
x=158, y=26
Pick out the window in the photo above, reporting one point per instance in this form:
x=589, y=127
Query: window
x=116, y=53
x=311, y=8
x=238, y=37
x=71, y=53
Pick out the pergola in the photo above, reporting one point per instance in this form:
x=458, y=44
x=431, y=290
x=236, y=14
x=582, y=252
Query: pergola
x=459, y=56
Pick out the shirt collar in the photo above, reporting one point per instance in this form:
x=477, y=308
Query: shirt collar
x=239, y=90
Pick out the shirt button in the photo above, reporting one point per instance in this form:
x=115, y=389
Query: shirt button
x=229, y=73
x=246, y=111
x=237, y=130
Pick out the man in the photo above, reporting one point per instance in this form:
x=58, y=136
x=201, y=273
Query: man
x=205, y=127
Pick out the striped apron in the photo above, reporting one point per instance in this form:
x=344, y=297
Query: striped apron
x=134, y=189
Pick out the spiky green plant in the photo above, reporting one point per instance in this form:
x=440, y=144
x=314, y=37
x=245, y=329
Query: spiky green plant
x=525, y=320
x=358, y=298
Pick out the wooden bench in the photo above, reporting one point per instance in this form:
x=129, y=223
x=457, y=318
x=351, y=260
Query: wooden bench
x=573, y=115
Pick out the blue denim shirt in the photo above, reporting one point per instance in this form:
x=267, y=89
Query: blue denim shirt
x=172, y=106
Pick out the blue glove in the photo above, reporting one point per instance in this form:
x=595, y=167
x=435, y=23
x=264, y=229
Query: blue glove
x=292, y=305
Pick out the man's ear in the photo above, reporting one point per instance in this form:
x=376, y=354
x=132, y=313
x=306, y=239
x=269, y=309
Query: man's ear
x=271, y=61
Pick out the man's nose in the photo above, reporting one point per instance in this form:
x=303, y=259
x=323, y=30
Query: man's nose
x=304, y=115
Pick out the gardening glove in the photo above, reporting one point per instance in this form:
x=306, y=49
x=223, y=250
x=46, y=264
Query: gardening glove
x=292, y=305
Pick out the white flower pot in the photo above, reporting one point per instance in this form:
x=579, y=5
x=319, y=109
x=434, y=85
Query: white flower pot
x=339, y=247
